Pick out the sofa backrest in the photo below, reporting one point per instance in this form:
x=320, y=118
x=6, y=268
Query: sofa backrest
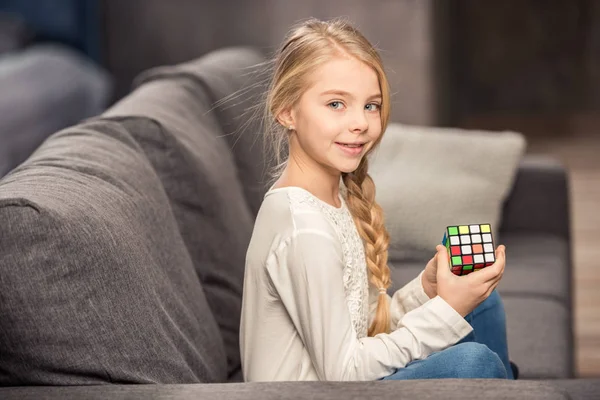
x=96, y=281
x=172, y=138
x=234, y=81
x=173, y=117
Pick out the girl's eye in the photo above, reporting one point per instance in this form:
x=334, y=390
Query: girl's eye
x=336, y=105
x=374, y=107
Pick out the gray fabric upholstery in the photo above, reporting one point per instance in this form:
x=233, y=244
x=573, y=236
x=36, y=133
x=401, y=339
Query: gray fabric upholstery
x=96, y=284
x=579, y=389
x=170, y=117
x=447, y=389
x=539, y=200
x=535, y=267
x=233, y=78
x=45, y=88
x=538, y=336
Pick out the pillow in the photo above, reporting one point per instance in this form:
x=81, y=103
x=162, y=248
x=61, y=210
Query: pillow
x=429, y=178
x=96, y=284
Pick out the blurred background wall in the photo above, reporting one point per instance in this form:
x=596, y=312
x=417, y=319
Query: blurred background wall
x=402, y=29
x=450, y=62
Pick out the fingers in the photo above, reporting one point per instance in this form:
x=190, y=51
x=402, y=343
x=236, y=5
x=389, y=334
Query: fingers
x=442, y=261
x=493, y=272
x=437, y=249
x=501, y=248
x=498, y=267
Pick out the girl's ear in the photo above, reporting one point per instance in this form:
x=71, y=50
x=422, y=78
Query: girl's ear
x=286, y=118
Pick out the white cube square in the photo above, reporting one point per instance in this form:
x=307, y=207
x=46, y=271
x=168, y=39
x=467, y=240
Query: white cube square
x=454, y=240
x=488, y=248
x=474, y=228
x=465, y=239
x=487, y=237
x=466, y=249
x=478, y=258
x=476, y=238
x=489, y=257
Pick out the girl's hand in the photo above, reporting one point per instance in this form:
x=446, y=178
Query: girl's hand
x=429, y=277
x=465, y=293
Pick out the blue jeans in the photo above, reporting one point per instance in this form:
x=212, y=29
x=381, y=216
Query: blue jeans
x=483, y=353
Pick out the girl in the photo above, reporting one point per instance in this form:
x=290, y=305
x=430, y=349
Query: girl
x=315, y=305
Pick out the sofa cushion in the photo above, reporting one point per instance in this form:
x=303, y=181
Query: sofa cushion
x=536, y=265
x=234, y=79
x=171, y=120
x=96, y=284
x=428, y=178
x=538, y=331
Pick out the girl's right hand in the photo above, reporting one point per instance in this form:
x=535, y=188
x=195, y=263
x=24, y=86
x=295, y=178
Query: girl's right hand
x=465, y=293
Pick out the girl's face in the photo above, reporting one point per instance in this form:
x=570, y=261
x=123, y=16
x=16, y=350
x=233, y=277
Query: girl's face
x=338, y=118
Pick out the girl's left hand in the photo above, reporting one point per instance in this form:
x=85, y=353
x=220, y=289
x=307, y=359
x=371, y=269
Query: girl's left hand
x=429, y=280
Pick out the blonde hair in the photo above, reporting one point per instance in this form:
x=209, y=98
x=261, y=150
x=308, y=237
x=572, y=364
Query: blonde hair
x=305, y=47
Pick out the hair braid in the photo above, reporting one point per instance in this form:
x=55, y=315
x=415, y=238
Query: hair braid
x=368, y=216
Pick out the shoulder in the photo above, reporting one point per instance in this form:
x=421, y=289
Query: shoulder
x=296, y=209
x=293, y=235
x=289, y=218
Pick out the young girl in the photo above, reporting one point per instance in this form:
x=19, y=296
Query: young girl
x=315, y=305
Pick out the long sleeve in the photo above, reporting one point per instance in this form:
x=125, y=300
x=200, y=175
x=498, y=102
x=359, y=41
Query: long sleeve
x=306, y=271
x=405, y=299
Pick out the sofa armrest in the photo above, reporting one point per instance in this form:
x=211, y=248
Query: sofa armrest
x=450, y=389
x=539, y=200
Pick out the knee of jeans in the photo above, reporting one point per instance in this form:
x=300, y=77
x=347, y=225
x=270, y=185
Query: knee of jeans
x=476, y=360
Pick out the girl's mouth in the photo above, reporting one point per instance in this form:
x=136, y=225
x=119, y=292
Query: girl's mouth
x=351, y=149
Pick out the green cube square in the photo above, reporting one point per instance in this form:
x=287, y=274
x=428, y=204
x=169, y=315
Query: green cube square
x=456, y=260
x=452, y=230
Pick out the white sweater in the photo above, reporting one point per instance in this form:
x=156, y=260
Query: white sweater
x=307, y=302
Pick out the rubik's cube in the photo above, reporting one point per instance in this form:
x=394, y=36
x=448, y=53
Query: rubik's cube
x=470, y=247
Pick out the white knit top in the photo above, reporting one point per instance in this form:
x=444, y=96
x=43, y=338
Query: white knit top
x=307, y=302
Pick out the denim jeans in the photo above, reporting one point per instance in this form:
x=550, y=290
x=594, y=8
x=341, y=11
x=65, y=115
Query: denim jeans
x=483, y=353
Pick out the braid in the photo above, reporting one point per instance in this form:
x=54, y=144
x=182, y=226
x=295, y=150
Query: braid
x=368, y=216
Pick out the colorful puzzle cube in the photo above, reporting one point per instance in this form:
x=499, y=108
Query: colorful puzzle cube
x=470, y=247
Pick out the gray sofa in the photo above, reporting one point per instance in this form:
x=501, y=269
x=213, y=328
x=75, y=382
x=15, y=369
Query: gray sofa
x=45, y=88
x=122, y=248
